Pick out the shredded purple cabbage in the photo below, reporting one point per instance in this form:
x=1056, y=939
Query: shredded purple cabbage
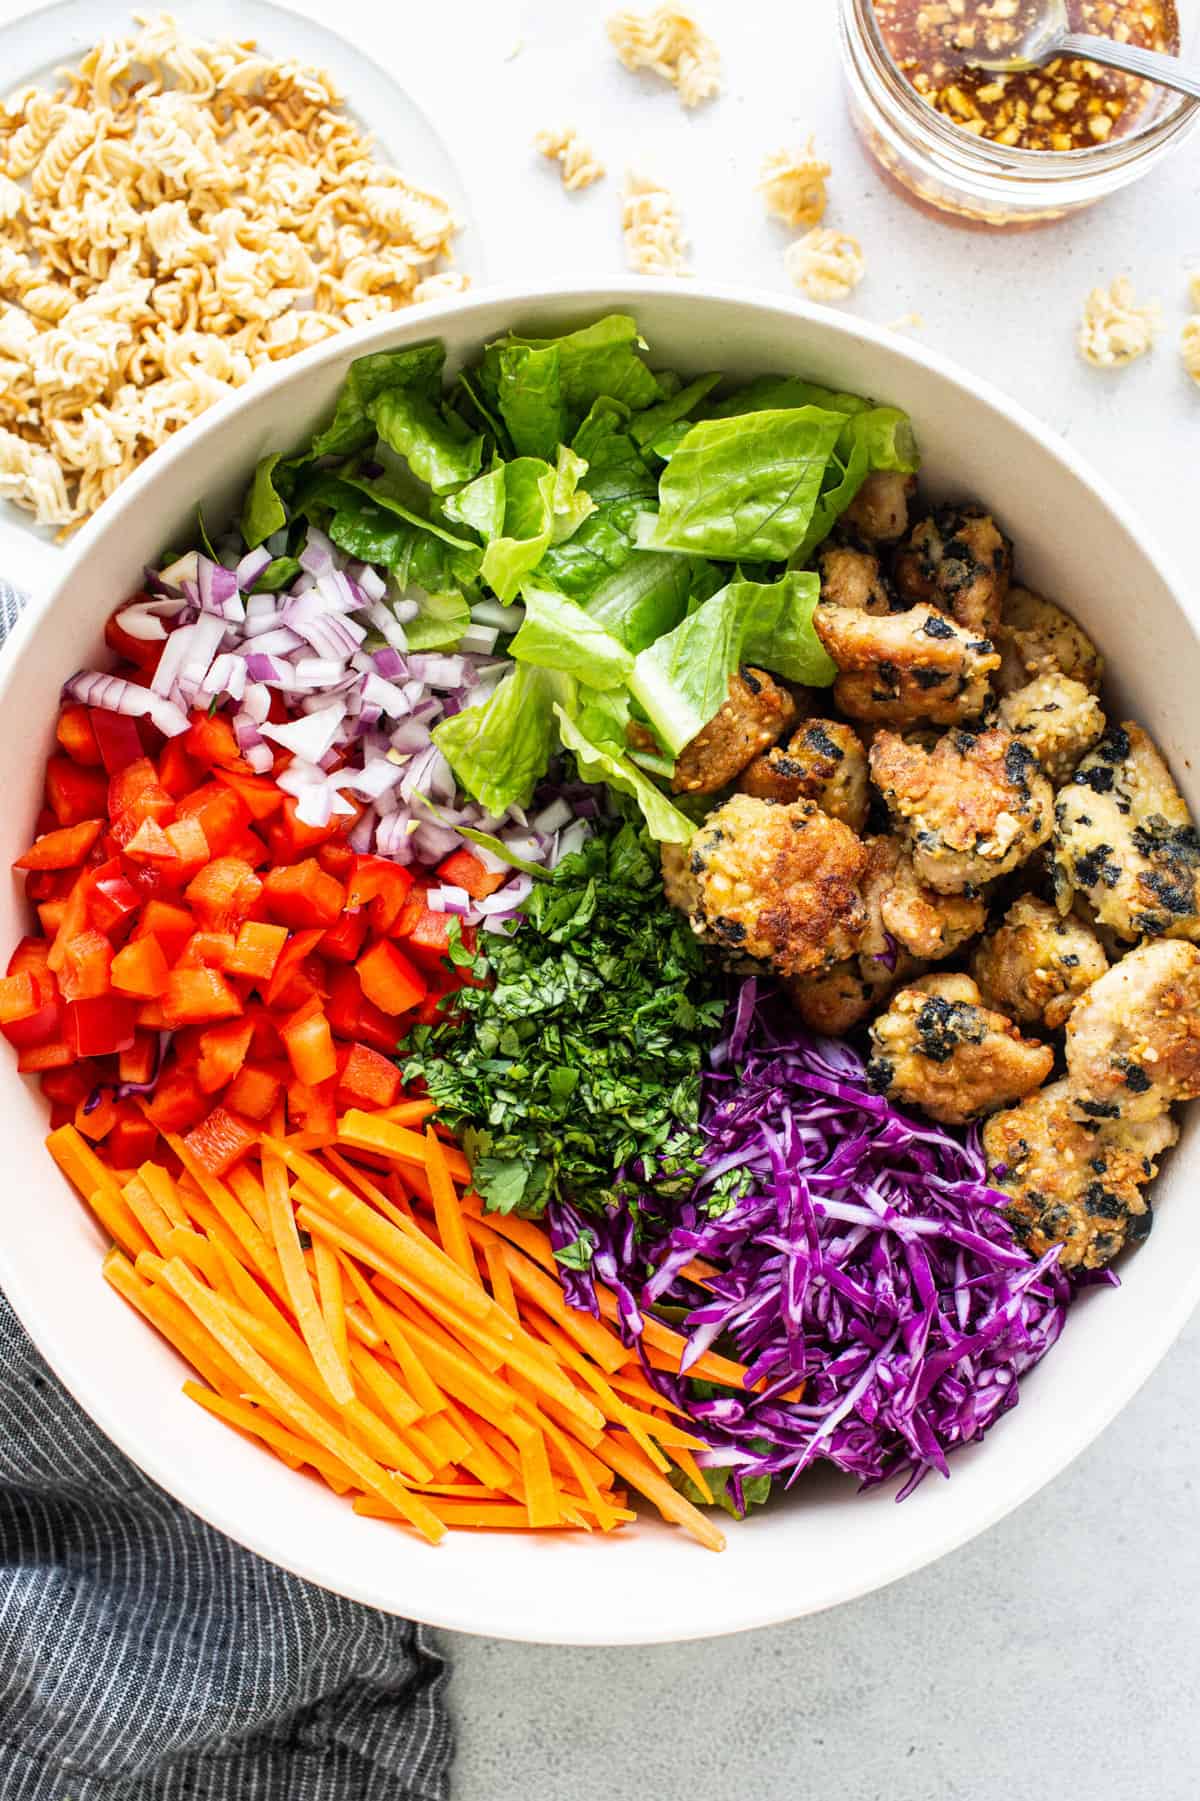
x=864, y=1256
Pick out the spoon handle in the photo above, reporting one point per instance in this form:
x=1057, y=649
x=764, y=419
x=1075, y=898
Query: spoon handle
x=1168, y=71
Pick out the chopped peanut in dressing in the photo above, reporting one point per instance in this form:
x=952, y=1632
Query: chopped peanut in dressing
x=1070, y=104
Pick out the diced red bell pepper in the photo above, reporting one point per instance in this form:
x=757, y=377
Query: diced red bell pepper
x=206, y=950
x=212, y=742
x=389, y=979
x=86, y=971
x=249, y=848
x=32, y=954
x=223, y=894
x=345, y=937
x=220, y=1141
x=112, y=899
x=147, y=843
x=72, y=920
x=139, y=1062
x=429, y=938
x=170, y=924
x=223, y=1050
x=313, y=1109
x=66, y=848
x=140, y=969
x=70, y=1085
x=74, y=732
x=96, y=1115
x=299, y=946
x=117, y=738
x=177, y=1103
x=178, y=772
x=410, y=913
x=336, y=858
x=19, y=997
x=190, y=848
x=353, y=1017
x=257, y=950
x=290, y=838
x=143, y=653
x=258, y=793
x=50, y=916
x=32, y=1059
x=137, y=790
x=463, y=870
x=366, y=1079
x=74, y=793
x=309, y=1044
x=253, y=1092
x=222, y=814
x=196, y=996
x=99, y=1025
x=44, y=1024
x=303, y=895
x=381, y=885
x=132, y=1140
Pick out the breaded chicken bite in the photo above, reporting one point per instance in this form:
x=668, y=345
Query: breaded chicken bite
x=879, y=511
x=824, y=761
x=939, y=1048
x=839, y=999
x=679, y=884
x=757, y=712
x=1058, y=718
x=1133, y=1040
x=1037, y=638
x=959, y=560
x=907, y=668
x=904, y=912
x=1072, y=1180
x=1124, y=839
x=851, y=577
x=779, y=883
x=1036, y=964
x=971, y=809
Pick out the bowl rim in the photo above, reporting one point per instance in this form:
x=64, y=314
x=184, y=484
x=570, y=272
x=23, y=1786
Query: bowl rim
x=476, y=1613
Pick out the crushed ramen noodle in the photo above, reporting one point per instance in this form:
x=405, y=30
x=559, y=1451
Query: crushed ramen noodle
x=577, y=161
x=825, y=264
x=1189, y=346
x=673, y=46
x=793, y=185
x=1114, y=329
x=654, y=240
x=177, y=214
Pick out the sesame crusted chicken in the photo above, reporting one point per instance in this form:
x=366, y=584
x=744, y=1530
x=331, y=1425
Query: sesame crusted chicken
x=906, y=668
x=1036, y=964
x=1133, y=1040
x=1037, y=638
x=851, y=577
x=823, y=761
x=939, y=1048
x=679, y=884
x=959, y=560
x=879, y=511
x=757, y=712
x=972, y=808
x=903, y=913
x=778, y=883
x=839, y=999
x=1124, y=839
x=1058, y=718
x=1072, y=1179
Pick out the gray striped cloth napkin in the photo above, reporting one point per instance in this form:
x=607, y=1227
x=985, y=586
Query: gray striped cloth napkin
x=144, y=1657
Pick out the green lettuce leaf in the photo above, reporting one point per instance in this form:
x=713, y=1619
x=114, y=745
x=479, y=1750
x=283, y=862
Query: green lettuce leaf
x=352, y=427
x=263, y=512
x=281, y=572
x=648, y=595
x=543, y=387
x=620, y=485
x=770, y=393
x=442, y=620
x=745, y=487
x=501, y=749
x=600, y=762
x=530, y=399
x=435, y=445
x=520, y=509
x=878, y=437
x=680, y=405
x=681, y=681
x=557, y=634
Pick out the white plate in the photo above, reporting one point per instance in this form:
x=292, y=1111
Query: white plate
x=824, y=1543
x=34, y=47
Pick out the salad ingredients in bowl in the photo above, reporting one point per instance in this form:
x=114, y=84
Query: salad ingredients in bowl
x=593, y=944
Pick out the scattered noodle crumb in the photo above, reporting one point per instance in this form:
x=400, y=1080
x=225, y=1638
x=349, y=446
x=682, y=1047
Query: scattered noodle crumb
x=1114, y=329
x=654, y=240
x=1194, y=290
x=176, y=215
x=1190, y=347
x=907, y=322
x=793, y=185
x=673, y=45
x=825, y=264
x=577, y=161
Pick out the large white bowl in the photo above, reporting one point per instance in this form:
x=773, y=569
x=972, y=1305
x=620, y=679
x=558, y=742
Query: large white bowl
x=825, y=1544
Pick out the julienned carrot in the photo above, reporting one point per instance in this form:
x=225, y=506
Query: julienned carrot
x=258, y=1421
x=624, y=1457
x=298, y=1283
x=177, y=1326
x=372, y=1132
x=332, y=1298
x=447, y=1211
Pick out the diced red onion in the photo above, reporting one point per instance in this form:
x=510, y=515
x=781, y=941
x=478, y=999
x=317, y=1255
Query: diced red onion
x=279, y=642
x=369, y=580
x=506, y=900
x=251, y=566
x=553, y=817
x=479, y=639
x=389, y=664
x=436, y=671
x=262, y=669
x=182, y=571
x=410, y=735
x=311, y=736
x=114, y=695
x=318, y=555
x=217, y=589
x=145, y=619
x=387, y=625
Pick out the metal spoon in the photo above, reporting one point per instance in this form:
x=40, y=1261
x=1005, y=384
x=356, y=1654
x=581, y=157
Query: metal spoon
x=1052, y=37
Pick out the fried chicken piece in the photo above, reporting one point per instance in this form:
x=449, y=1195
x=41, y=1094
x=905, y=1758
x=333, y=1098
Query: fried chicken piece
x=1036, y=964
x=679, y=884
x=838, y=999
x=939, y=1048
x=779, y=883
x=879, y=511
x=971, y=809
x=1133, y=1040
x=824, y=761
x=1074, y=1180
x=901, y=910
x=1037, y=638
x=757, y=712
x=959, y=560
x=907, y=668
x=851, y=577
x=1124, y=839
x=1058, y=718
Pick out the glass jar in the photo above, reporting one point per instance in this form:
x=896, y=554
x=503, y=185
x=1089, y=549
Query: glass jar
x=975, y=180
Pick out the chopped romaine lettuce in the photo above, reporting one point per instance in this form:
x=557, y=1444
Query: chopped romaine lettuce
x=501, y=749
x=557, y=634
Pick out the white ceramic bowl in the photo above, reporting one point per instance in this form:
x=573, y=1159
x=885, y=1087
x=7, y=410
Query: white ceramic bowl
x=825, y=1544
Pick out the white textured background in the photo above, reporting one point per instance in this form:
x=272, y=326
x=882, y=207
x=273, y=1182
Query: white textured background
x=1057, y=1657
